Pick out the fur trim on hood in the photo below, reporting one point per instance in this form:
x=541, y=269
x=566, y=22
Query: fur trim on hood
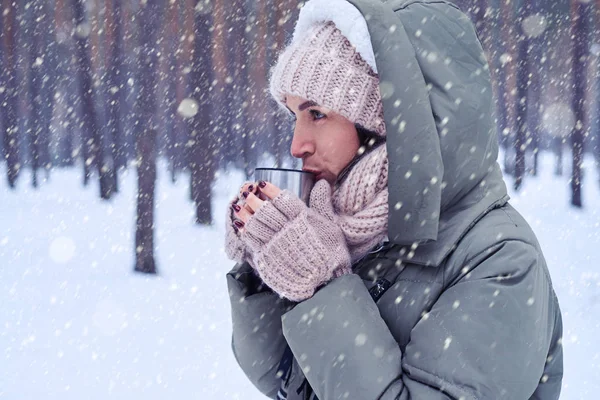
x=346, y=18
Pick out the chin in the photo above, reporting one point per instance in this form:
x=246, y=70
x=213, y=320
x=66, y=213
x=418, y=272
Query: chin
x=329, y=179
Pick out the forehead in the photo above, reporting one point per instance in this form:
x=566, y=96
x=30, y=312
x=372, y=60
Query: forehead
x=299, y=103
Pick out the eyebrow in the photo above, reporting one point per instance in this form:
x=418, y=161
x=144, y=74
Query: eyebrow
x=307, y=104
x=304, y=105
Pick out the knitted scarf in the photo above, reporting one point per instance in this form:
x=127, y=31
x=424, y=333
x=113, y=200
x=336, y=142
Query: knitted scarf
x=361, y=202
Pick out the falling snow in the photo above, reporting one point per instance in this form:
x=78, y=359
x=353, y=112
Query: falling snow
x=65, y=311
x=75, y=320
x=188, y=108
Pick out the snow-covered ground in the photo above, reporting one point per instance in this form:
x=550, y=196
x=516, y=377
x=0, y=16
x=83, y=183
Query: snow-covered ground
x=77, y=323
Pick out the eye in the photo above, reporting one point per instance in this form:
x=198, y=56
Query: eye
x=317, y=114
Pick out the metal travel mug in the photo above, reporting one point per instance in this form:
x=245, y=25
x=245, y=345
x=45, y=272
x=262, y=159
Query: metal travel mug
x=298, y=182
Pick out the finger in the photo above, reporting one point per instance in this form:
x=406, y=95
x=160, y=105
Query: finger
x=261, y=195
x=252, y=201
x=250, y=187
x=268, y=189
x=243, y=189
x=248, y=208
x=234, y=201
x=242, y=214
x=238, y=226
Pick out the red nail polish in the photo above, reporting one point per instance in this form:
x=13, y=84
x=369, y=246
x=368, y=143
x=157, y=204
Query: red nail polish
x=239, y=224
x=245, y=194
x=262, y=184
x=251, y=188
x=236, y=207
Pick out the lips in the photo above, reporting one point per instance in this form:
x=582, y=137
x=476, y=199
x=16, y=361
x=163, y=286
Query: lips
x=312, y=171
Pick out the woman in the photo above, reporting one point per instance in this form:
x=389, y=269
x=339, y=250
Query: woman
x=410, y=275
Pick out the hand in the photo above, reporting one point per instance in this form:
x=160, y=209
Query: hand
x=294, y=248
x=238, y=213
x=254, y=196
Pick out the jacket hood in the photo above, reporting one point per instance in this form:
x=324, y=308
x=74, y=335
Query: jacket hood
x=439, y=114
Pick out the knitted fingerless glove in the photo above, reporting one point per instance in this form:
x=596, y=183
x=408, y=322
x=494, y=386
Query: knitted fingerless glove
x=295, y=248
x=235, y=248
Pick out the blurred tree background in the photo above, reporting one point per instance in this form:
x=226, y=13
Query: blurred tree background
x=106, y=85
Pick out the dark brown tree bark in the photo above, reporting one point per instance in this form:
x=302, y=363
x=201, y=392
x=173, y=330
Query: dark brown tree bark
x=596, y=80
x=258, y=124
x=282, y=130
x=537, y=48
x=183, y=67
x=523, y=66
x=40, y=91
x=98, y=153
x=144, y=232
x=116, y=85
x=150, y=17
x=202, y=126
x=170, y=51
x=507, y=79
x=130, y=44
x=81, y=30
x=231, y=143
x=67, y=84
x=579, y=15
x=9, y=96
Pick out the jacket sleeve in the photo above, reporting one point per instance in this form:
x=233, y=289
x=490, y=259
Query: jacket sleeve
x=486, y=337
x=257, y=341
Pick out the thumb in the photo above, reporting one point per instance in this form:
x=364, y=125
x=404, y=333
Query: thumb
x=320, y=199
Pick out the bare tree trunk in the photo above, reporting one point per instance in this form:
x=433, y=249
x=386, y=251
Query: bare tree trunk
x=536, y=54
x=48, y=28
x=281, y=124
x=223, y=73
x=171, y=42
x=38, y=89
x=116, y=85
x=104, y=138
x=9, y=96
x=202, y=127
x=185, y=59
x=257, y=133
x=507, y=72
x=596, y=78
x=579, y=15
x=185, y=26
x=520, y=143
x=144, y=232
x=82, y=29
x=284, y=128
x=63, y=51
x=231, y=147
x=99, y=156
x=129, y=57
x=150, y=21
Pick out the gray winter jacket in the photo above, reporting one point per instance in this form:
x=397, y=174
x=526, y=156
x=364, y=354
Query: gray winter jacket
x=470, y=312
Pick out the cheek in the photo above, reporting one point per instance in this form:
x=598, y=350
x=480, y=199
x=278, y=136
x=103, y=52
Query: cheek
x=338, y=151
x=329, y=147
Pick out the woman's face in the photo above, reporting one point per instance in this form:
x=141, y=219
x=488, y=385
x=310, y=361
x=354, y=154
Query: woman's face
x=324, y=140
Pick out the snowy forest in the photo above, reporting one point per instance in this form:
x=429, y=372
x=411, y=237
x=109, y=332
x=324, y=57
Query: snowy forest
x=110, y=85
x=108, y=96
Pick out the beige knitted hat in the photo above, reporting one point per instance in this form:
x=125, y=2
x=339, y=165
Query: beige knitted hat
x=325, y=67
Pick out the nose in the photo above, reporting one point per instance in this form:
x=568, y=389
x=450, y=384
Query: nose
x=303, y=144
